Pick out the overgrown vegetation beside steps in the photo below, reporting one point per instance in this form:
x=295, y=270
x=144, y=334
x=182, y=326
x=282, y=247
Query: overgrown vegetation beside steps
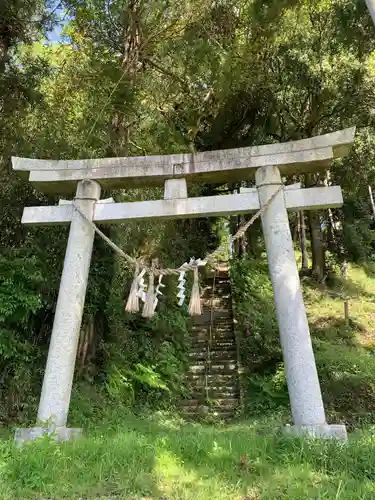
x=345, y=353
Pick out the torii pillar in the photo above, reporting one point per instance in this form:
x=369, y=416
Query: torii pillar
x=300, y=369
x=268, y=163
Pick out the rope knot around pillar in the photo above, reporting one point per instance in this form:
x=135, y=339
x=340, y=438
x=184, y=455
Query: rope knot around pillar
x=262, y=184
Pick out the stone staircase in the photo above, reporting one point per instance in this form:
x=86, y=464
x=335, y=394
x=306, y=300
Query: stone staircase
x=213, y=370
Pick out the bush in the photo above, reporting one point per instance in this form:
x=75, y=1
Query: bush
x=21, y=300
x=144, y=359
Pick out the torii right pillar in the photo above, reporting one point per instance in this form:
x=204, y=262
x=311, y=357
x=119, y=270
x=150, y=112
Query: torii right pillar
x=300, y=368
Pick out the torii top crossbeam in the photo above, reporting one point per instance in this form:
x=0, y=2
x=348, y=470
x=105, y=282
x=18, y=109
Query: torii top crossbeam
x=306, y=155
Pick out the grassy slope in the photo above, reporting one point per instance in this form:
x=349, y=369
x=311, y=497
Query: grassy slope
x=156, y=457
x=344, y=352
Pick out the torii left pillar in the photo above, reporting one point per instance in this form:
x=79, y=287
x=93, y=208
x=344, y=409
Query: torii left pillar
x=58, y=377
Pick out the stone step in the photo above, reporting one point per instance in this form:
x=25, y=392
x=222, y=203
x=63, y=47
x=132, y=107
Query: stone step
x=220, y=293
x=216, y=301
x=217, y=378
x=201, y=370
x=224, y=403
x=214, y=394
x=199, y=384
x=216, y=359
x=215, y=337
x=208, y=408
x=192, y=414
x=215, y=323
x=200, y=324
x=205, y=318
x=218, y=304
x=222, y=284
x=204, y=321
x=224, y=354
x=217, y=344
x=217, y=297
x=214, y=365
x=222, y=326
x=214, y=334
x=218, y=280
x=223, y=345
x=226, y=327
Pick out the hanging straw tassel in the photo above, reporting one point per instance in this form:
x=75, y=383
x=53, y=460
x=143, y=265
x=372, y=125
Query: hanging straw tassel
x=132, y=304
x=195, y=299
x=148, y=308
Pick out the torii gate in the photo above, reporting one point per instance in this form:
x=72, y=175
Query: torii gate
x=268, y=163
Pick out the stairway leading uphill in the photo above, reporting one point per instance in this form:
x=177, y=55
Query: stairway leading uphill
x=213, y=370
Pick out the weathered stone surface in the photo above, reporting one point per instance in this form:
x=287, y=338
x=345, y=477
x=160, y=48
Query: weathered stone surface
x=313, y=198
x=306, y=155
x=295, y=199
x=57, y=433
x=300, y=369
x=58, y=377
x=175, y=189
x=318, y=431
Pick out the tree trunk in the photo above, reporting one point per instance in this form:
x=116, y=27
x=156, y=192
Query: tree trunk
x=296, y=229
x=372, y=201
x=305, y=260
x=243, y=240
x=317, y=246
x=344, y=270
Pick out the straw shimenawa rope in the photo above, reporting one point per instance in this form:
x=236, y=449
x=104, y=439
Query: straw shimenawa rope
x=210, y=258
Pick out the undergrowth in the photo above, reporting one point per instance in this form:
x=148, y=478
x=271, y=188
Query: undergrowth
x=344, y=351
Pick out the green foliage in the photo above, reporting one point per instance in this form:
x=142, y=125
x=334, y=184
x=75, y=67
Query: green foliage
x=257, y=332
x=346, y=367
x=255, y=314
x=21, y=300
x=145, y=360
x=18, y=290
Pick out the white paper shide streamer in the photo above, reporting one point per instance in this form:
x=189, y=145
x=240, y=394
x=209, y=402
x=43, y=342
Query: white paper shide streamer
x=158, y=292
x=181, y=288
x=150, y=294
x=141, y=293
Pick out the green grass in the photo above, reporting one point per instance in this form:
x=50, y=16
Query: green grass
x=163, y=458
x=326, y=308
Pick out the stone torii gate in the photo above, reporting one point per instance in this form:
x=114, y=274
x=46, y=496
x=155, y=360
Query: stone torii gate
x=268, y=164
